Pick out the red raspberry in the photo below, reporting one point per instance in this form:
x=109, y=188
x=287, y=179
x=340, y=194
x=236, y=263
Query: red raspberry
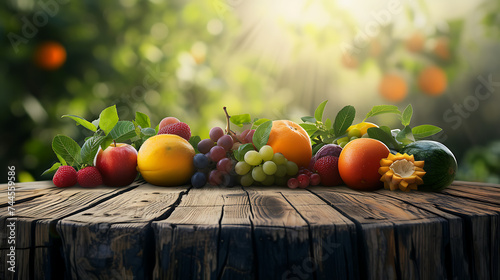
x=328, y=170
x=180, y=128
x=65, y=177
x=89, y=177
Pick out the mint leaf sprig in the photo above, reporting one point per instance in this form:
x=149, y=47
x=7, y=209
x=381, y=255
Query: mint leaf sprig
x=107, y=129
x=322, y=133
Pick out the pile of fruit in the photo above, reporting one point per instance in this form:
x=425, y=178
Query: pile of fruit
x=363, y=156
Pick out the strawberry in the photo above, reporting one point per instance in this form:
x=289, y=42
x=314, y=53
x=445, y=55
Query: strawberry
x=327, y=168
x=65, y=177
x=180, y=128
x=89, y=177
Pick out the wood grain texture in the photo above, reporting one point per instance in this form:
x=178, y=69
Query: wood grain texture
x=150, y=232
x=332, y=236
x=114, y=239
x=391, y=235
x=484, y=193
x=37, y=219
x=280, y=234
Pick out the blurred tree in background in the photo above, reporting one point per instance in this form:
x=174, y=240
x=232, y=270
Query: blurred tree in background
x=272, y=59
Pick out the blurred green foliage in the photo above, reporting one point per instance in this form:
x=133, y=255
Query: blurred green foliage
x=190, y=58
x=482, y=164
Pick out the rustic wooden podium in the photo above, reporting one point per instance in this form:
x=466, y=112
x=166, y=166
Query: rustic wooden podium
x=148, y=232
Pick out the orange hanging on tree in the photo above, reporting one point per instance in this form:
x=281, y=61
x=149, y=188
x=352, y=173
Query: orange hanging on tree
x=432, y=81
x=393, y=88
x=50, y=55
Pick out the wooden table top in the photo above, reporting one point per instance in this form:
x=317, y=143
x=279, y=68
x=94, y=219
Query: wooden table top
x=147, y=232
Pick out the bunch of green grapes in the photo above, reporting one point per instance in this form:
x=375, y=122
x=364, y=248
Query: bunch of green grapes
x=265, y=167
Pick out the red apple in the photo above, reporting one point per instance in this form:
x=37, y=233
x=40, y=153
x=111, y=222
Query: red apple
x=117, y=164
x=166, y=121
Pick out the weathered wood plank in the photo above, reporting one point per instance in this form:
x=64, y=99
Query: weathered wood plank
x=473, y=239
x=114, y=239
x=214, y=196
x=27, y=191
x=332, y=237
x=186, y=243
x=235, y=250
x=208, y=235
x=392, y=235
x=281, y=235
x=36, y=220
x=22, y=256
x=456, y=258
x=486, y=193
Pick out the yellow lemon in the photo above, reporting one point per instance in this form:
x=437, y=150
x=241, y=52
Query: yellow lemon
x=362, y=126
x=166, y=160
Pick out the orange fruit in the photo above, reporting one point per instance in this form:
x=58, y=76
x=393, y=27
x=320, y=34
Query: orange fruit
x=359, y=162
x=292, y=141
x=415, y=43
x=432, y=81
x=442, y=49
x=50, y=55
x=393, y=88
x=166, y=160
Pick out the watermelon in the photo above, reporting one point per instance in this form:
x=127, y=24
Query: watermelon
x=440, y=163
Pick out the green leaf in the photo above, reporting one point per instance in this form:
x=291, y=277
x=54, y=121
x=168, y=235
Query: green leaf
x=261, y=134
x=157, y=128
x=123, y=131
x=318, y=114
x=95, y=123
x=405, y=136
x=81, y=121
x=61, y=160
x=406, y=117
x=106, y=142
x=142, y=120
x=53, y=169
x=328, y=123
x=425, y=130
x=344, y=119
x=194, y=140
x=258, y=122
x=309, y=128
x=386, y=129
x=387, y=139
x=242, y=150
x=308, y=119
x=90, y=148
x=240, y=120
x=108, y=119
x=148, y=131
x=67, y=149
x=382, y=109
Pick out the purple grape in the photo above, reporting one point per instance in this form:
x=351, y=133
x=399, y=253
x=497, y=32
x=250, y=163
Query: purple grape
x=200, y=161
x=215, y=177
x=217, y=153
x=293, y=183
x=226, y=142
x=198, y=180
x=225, y=165
x=205, y=145
x=216, y=133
